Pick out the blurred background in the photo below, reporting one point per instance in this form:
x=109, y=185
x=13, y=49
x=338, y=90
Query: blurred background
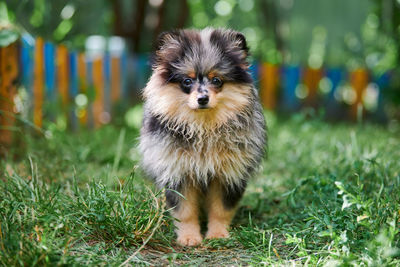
x=82, y=63
x=71, y=192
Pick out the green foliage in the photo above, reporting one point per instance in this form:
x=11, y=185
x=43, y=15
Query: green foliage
x=8, y=33
x=67, y=21
x=8, y=37
x=246, y=16
x=328, y=194
x=277, y=31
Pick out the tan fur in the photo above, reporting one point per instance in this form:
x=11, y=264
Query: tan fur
x=219, y=218
x=187, y=224
x=212, y=74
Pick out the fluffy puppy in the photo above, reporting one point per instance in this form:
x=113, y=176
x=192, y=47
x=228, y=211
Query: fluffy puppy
x=203, y=132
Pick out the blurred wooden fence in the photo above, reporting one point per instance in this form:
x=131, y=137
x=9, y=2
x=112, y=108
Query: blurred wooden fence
x=84, y=89
x=81, y=87
x=341, y=93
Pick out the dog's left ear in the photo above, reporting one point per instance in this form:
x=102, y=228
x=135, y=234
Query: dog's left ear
x=238, y=46
x=230, y=41
x=239, y=41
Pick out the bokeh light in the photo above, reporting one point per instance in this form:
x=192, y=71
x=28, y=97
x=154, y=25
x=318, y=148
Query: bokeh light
x=223, y=8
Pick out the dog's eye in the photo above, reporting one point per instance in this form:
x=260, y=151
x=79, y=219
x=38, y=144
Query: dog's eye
x=187, y=82
x=216, y=81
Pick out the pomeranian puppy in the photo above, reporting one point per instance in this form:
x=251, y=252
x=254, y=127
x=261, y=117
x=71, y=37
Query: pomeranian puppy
x=203, y=132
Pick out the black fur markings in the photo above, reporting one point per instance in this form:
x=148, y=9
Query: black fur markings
x=158, y=127
x=232, y=194
x=173, y=197
x=155, y=125
x=240, y=75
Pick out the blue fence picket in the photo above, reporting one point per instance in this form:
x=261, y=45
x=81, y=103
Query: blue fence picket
x=107, y=83
x=254, y=71
x=290, y=80
x=383, y=81
x=49, y=70
x=335, y=75
x=142, y=70
x=73, y=85
x=73, y=75
x=26, y=60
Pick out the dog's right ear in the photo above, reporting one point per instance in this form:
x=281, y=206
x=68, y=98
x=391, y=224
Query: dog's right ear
x=166, y=39
x=167, y=45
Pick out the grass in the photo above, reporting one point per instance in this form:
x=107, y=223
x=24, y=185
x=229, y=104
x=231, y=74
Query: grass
x=327, y=195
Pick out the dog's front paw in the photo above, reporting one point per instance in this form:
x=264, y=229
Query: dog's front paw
x=189, y=239
x=217, y=233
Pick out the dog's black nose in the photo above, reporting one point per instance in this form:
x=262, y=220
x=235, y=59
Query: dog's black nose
x=202, y=100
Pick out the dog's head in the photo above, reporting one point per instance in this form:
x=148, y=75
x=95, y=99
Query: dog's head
x=200, y=74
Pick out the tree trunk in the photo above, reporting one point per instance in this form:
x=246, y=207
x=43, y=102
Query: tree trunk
x=140, y=14
x=117, y=18
x=270, y=14
x=184, y=12
x=160, y=23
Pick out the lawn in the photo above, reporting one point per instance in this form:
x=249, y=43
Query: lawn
x=328, y=194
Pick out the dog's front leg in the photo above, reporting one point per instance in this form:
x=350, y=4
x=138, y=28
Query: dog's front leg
x=186, y=211
x=221, y=205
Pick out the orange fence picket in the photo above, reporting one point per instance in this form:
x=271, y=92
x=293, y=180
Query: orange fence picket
x=312, y=77
x=98, y=83
x=82, y=85
x=8, y=74
x=359, y=81
x=62, y=77
x=38, y=83
x=269, y=81
x=115, y=79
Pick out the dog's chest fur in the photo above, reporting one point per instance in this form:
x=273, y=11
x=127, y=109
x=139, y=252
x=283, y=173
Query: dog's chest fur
x=173, y=154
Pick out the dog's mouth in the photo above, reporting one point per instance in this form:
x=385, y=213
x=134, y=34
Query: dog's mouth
x=203, y=107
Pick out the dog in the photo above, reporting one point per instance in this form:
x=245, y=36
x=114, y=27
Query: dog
x=203, y=133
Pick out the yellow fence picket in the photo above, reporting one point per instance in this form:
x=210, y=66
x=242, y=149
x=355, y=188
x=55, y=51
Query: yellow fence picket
x=98, y=83
x=83, y=85
x=115, y=79
x=269, y=80
x=8, y=74
x=62, y=77
x=312, y=77
x=38, y=83
x=359, y=82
